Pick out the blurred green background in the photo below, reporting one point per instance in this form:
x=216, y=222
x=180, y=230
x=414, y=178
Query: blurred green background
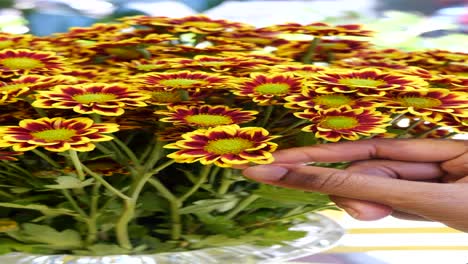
x=408, y=24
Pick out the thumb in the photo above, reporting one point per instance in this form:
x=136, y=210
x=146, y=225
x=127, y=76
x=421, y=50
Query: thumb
x=411, y=196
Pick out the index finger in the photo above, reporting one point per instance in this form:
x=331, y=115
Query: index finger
x=419, y=150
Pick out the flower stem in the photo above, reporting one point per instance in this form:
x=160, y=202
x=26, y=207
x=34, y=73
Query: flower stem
x=408, y=129
x=106, y=184
x=202, y=179
x=291, y=127
x=77, y=163
x=121, y=227
x=39, y=111
x=143, y=180
x=397, y=118
x=176, y=221
x=225, y=181
x=277, y=119
x=74, y=204
x=128, y=213
x=425, y=133
x=242, y=205
x=154, y=156
x=46, y=158
x=127, y=151
x=96, y=118
x=309, y=55
x=176, y=226
x=93, y=214
x=266, y=117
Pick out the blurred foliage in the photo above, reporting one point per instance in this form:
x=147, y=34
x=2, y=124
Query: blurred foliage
x=403, y=30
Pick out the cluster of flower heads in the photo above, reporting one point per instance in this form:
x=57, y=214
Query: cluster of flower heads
x=219, y=91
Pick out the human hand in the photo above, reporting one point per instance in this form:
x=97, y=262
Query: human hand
x=425, y=179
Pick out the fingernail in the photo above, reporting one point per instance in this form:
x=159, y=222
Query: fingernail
x=265, y=172
x=352, y=212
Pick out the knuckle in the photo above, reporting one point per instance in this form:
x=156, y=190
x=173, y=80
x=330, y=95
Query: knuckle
x=334, y=180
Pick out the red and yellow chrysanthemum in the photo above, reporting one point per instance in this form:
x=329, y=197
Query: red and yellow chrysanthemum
x=267, y=59
x=220, y=64
x=204, y=25
x=366, y=82
x=441, y=57
x=324, y=49
x=9, y=155
x=172, y=133
x=22, y=61
x=94, y=32
x=457, y=124
x=12, y=89
x=268, y=89
x=358, y=63
x=99, y=98
x=344, y=123
x=427, y=103
x=428, y=130
x=155, y=64
x=56, y=134
x=261, y=39
x=182, y=80
x=300, y=70
x=203, y=116
x=319, y=101
x=8, y=41
x=128, y=48
x=394, y=55
x=318, y=29
x=224, y=146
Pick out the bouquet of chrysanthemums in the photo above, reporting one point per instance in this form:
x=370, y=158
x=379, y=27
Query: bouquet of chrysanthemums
x=125, y=137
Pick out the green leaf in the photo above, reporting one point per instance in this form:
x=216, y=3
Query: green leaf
x=277, y=234
x=396, y=131
x=305, y=139
x=218, y=225
x=153, y=203
x=218, y=241
x=102, y=250
x=9, y=245
x=209, y=205
x=20, y=190
x=70, y=182
x=43, y=234
x=39, y=207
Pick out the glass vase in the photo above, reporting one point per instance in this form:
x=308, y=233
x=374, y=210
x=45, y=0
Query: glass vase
x=322, y=234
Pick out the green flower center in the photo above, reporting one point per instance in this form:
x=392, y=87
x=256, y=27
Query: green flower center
x=21, y=63
x=13, y=87
x=207, y=120
x=59, y=134
x=332, y=100
x=272, y=88
x=5, y=44
x=329, y=46
x=214, y=63
x=88, y=98
x=167, y=96
x=181, y=82
x=123, y=53
x=201, y=24
x=339, y=122
x=147, y=67
x=419, y=102
x=361, y=82
x=228, y=146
